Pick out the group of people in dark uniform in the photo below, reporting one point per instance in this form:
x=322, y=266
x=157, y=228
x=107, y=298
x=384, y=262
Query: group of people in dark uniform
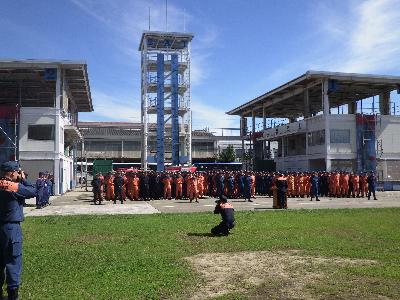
x=44, y=189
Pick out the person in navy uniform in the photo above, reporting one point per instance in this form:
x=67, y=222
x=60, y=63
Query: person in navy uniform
x=371, y=179
x=97, y=185
x=231, y=185
x=314, y=180
x=282, y=185
x=248, y=182
x=220, y=184
x=14, y=189
x=118, y=186
x=226, y=210
x=41, y=186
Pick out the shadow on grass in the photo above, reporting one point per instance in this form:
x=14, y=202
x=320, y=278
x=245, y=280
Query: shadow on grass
x=203, y=234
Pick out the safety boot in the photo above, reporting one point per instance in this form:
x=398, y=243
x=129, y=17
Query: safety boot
x=12, y=294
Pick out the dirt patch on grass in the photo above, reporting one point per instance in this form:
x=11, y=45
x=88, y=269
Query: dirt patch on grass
x=282, y=275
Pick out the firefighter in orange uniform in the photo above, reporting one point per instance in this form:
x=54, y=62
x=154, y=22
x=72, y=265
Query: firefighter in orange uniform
x=344, y=184
x=356, y=185
x=364, y=185
x=125, y=180
x=297, y=185
x=129, y=185
x=307, y=185
x=178, y=186
x=301, y=185
x=135, y=187
x=192, y=188
x=200, y=186
x=290, y=182
x=110, y=186
x=336, y=184
x=167, y=187
x=253, y=185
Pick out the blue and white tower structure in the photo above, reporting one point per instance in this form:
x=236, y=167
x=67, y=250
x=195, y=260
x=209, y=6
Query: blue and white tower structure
x=165, y=86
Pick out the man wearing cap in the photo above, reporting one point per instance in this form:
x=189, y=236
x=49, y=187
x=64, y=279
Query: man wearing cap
x=226, y=210
x=41, y=185
x=14, y=189
x=97, y=185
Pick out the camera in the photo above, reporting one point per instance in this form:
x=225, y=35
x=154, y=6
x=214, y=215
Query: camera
x=21, y=175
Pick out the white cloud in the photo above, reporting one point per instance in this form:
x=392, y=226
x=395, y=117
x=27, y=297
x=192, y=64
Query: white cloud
x=209, y=116
x=361, y=37
x=373, y=44
x=116, y=108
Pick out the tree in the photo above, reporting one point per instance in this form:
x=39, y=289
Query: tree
x=227, y=155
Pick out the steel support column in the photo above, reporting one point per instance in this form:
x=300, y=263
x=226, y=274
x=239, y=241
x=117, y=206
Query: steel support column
x=384, y=103
x=326, y=110
x=160, y=112
x=174, y=109
x=57, y=150
x=306, y=104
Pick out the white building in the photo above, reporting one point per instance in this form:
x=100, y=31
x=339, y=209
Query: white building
x=47, y=96
x=318, y=137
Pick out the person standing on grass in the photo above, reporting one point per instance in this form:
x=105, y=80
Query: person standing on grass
x=226, y=210
x=14, y=189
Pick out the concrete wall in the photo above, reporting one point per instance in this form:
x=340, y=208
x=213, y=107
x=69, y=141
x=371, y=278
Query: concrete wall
x=35, y=116
x=293, y=163
x=36, y=155
x=33, y=167
x=388, y=137
x=342, y=150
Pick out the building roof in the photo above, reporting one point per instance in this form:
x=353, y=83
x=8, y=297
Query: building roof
x=37, y=89
x=287, y=100
x=124, y=129
x=165, y=40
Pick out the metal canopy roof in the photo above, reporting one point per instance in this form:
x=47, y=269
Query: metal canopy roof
x=287, y=100
x=36, y=90
x=161, y=40
x=105, y=129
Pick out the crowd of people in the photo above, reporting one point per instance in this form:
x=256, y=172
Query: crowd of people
x=44, y=189
x=118, y=186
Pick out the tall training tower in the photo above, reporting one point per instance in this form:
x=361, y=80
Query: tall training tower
x=165, y=96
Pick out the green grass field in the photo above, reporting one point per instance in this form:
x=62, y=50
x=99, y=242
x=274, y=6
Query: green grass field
x=142, y=256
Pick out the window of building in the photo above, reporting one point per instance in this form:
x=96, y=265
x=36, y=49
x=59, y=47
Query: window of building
x=340, y=136
x=316, y=138
x=41, y=132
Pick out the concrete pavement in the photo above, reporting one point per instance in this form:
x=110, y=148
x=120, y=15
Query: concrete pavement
x=79, y=202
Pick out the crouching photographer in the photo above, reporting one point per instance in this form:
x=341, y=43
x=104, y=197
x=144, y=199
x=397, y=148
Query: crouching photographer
x=14, y=189
x=226, y=210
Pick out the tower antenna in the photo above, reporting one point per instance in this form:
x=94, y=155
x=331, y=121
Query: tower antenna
x=149, y=19
x=166, y=15
x=184, y=20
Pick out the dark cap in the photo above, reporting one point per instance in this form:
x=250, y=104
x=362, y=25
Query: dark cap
x=10, y=166
x=222, y=199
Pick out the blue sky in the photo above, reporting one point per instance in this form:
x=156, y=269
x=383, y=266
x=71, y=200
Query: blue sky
x=241, y=48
